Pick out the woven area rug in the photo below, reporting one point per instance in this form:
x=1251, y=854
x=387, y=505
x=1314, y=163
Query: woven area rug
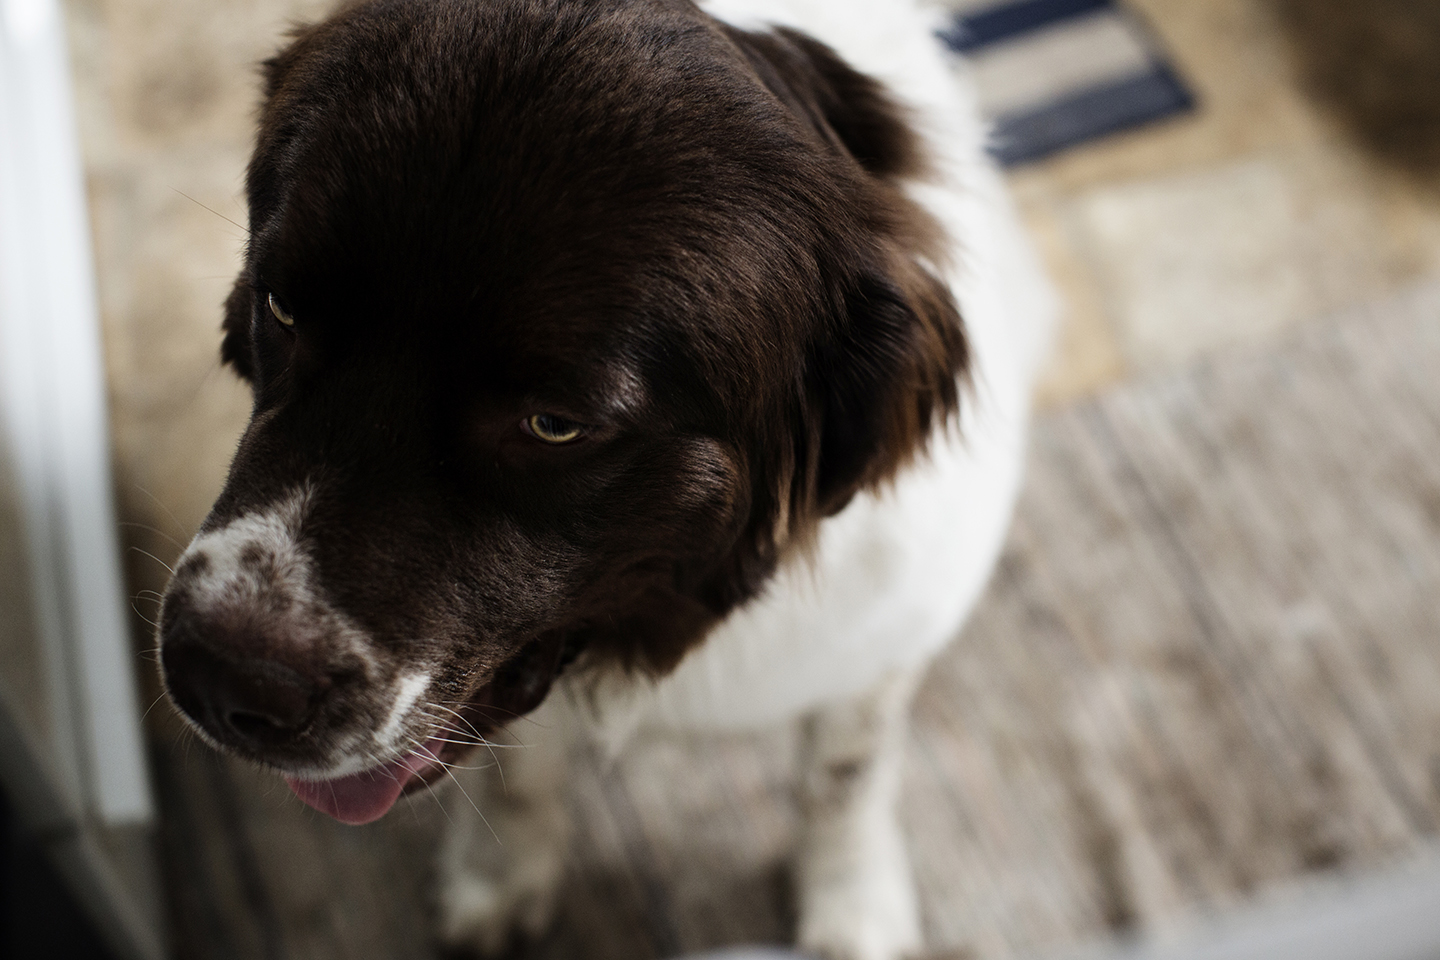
x=1056, y=73
x=1208, y=666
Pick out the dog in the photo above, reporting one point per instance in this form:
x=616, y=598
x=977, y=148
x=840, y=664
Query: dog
x=639, y=366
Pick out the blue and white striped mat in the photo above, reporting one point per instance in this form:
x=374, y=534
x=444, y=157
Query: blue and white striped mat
x=1054, y=73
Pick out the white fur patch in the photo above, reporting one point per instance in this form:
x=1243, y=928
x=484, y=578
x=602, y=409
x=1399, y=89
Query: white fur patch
x=231, y=577
x=273, y=531
x=407, y=691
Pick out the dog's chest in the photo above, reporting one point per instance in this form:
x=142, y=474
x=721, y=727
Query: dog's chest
x=891, y=581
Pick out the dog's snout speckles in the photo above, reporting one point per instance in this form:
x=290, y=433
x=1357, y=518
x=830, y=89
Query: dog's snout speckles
x=192, y=565
x=252, y=650
x=258, y=551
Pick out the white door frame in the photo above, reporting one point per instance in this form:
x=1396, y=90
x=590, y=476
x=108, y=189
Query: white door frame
x=54, y=436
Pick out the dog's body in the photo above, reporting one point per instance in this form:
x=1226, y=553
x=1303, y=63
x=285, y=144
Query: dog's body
x=843, y=634
x=806, y=570
x=893, y=575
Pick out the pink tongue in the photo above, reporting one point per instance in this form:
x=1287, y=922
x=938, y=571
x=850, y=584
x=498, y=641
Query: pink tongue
x=366, y=796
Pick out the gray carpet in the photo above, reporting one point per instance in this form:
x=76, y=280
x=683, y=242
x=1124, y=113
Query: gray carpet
x=1209, y=665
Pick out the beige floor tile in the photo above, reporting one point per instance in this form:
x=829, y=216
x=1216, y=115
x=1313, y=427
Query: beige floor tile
x=1086, y=353
x=1232, y=55
x=184, y=72
x=1242, y=218
x=1195, y=261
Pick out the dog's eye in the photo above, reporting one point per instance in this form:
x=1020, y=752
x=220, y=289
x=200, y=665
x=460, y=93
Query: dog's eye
x=280, y=313
x=552, y=429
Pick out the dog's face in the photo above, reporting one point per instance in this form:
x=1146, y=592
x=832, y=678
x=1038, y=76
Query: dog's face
x=564, y=320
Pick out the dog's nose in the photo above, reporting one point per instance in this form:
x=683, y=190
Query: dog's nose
x=247, y=702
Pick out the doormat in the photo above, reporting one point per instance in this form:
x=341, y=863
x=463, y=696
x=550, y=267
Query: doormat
x=1055, y=73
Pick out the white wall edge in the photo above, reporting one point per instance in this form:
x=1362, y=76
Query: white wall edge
x=52, y=386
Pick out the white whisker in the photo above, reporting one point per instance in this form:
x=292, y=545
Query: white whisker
x=156, y=559
x=463, y=793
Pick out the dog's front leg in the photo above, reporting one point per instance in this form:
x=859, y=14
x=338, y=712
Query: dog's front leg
x=501, y=866
x=856, y=893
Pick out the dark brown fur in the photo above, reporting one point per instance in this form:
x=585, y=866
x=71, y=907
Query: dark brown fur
x=689, y=238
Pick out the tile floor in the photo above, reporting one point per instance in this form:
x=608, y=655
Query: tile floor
x=1221, y=227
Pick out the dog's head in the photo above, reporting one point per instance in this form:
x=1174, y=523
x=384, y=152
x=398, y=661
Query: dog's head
x=565, y=320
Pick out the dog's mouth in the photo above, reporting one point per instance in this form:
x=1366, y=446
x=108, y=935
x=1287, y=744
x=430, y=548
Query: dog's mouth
x=367, y=796
x=516, y=689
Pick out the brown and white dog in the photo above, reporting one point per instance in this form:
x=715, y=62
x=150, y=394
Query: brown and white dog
x=608, y=359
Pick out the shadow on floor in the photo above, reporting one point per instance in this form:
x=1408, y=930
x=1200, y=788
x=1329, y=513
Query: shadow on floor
x=39, y=917
x=1375, y=65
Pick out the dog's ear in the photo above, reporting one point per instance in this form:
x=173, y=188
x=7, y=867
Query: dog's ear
x=886, y=368
x=845, y=107
x=235, y=348
x=886, y=372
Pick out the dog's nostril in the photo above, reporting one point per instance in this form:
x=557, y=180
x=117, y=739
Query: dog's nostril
x=263, y=702
x=249, y=702
x=258, y=726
